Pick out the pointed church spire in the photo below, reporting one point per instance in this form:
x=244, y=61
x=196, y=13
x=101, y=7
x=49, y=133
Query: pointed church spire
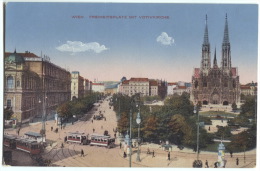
x=206, y=34
x=15, y=50
x=215, y=59
x=226, y=35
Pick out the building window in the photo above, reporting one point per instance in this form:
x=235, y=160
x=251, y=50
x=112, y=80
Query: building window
x=10, y=82
x=9, y=103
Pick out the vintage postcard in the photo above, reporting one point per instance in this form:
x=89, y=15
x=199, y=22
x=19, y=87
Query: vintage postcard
x=113, y=84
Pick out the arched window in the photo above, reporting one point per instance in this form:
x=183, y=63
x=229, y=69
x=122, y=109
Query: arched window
x=10, y=82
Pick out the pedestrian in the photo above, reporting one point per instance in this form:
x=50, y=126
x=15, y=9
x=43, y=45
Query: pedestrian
x=51, y=128
x=82, y=153
x=92, y=120
x=207, y=164
x=120, y=145
x=153, y=154
x=93, y=130
x=216, y=165
x=209, y=128
x=231, y=153
x=62, y=145
x=124, y=155
x=105, y=119
x=18, y=132
x=169, y=156
x=115, y=135
x=237, y=161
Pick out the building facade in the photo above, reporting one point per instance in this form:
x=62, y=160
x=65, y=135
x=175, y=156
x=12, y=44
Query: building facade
x=98, y=87
x=33, y=85
x=77, y=85
x=216, y=84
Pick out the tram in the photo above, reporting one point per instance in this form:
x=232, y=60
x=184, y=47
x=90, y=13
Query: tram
x=77, y=137
x=9, y=141
x=27, y=145
x=22, y=144
x=102, y=140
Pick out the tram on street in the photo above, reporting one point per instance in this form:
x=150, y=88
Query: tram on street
x=28, y=145
x=9, y=141
x=102, y=140
x=22, y=144
x=77, y=137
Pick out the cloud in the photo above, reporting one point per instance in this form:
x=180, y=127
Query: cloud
x=77, y=46
x=164, y=39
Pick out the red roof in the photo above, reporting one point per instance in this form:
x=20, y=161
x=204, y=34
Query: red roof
x=97, y=83
x=139, y=79
x=244, y=87
x=170, y=84
x=182, y=87
x=125, y=82
x=196, y=72
x=153, y=83
x=26, y=54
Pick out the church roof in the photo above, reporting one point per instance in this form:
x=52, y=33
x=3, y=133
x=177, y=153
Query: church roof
x=196, y=73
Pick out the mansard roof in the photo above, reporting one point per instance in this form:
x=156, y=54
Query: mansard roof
x=139, y=79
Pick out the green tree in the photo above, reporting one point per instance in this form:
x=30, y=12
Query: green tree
x=223, y=132
x=248, y=108
x=65, y=110
x=234, y=106
x=150, y=128
x=123, y=123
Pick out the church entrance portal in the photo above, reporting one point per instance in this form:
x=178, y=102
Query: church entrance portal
x=225, y=103
x=215, y=99
x=205, y=102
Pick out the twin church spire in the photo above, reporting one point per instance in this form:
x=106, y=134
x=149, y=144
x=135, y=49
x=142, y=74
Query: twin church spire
x=226, y=55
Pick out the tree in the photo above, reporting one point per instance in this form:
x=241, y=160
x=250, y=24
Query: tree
x=123, y=123
x=65, y=110
x=223, y=132
x=8, y=113
x=248, y=108
x=234, y=106
x=150, y=129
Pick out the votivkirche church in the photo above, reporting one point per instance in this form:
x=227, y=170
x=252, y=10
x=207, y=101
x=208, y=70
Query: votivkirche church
x=216, y=84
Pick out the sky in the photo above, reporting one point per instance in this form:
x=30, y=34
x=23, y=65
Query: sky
x=130, y=42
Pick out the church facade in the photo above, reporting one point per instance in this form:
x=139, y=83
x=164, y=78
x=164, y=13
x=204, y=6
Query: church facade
x=216, y=84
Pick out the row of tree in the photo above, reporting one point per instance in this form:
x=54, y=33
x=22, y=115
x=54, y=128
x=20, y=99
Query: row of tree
x=78, y=106
x=174, y=122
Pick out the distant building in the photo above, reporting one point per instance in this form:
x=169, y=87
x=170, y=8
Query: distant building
x=77, y=85
x=170, y=87
x=144, y=86
x=98, y=87
x=153, y=88
x=33, y=84
x=249, y=89
x=87, y=86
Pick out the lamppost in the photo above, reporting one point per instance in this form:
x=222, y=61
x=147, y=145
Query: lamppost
x=138, y=121
x=42, y=132
x=198, y=127
x=130, y=138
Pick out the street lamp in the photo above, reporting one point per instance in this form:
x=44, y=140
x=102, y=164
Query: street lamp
x=138, y=121
x=198, y=127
